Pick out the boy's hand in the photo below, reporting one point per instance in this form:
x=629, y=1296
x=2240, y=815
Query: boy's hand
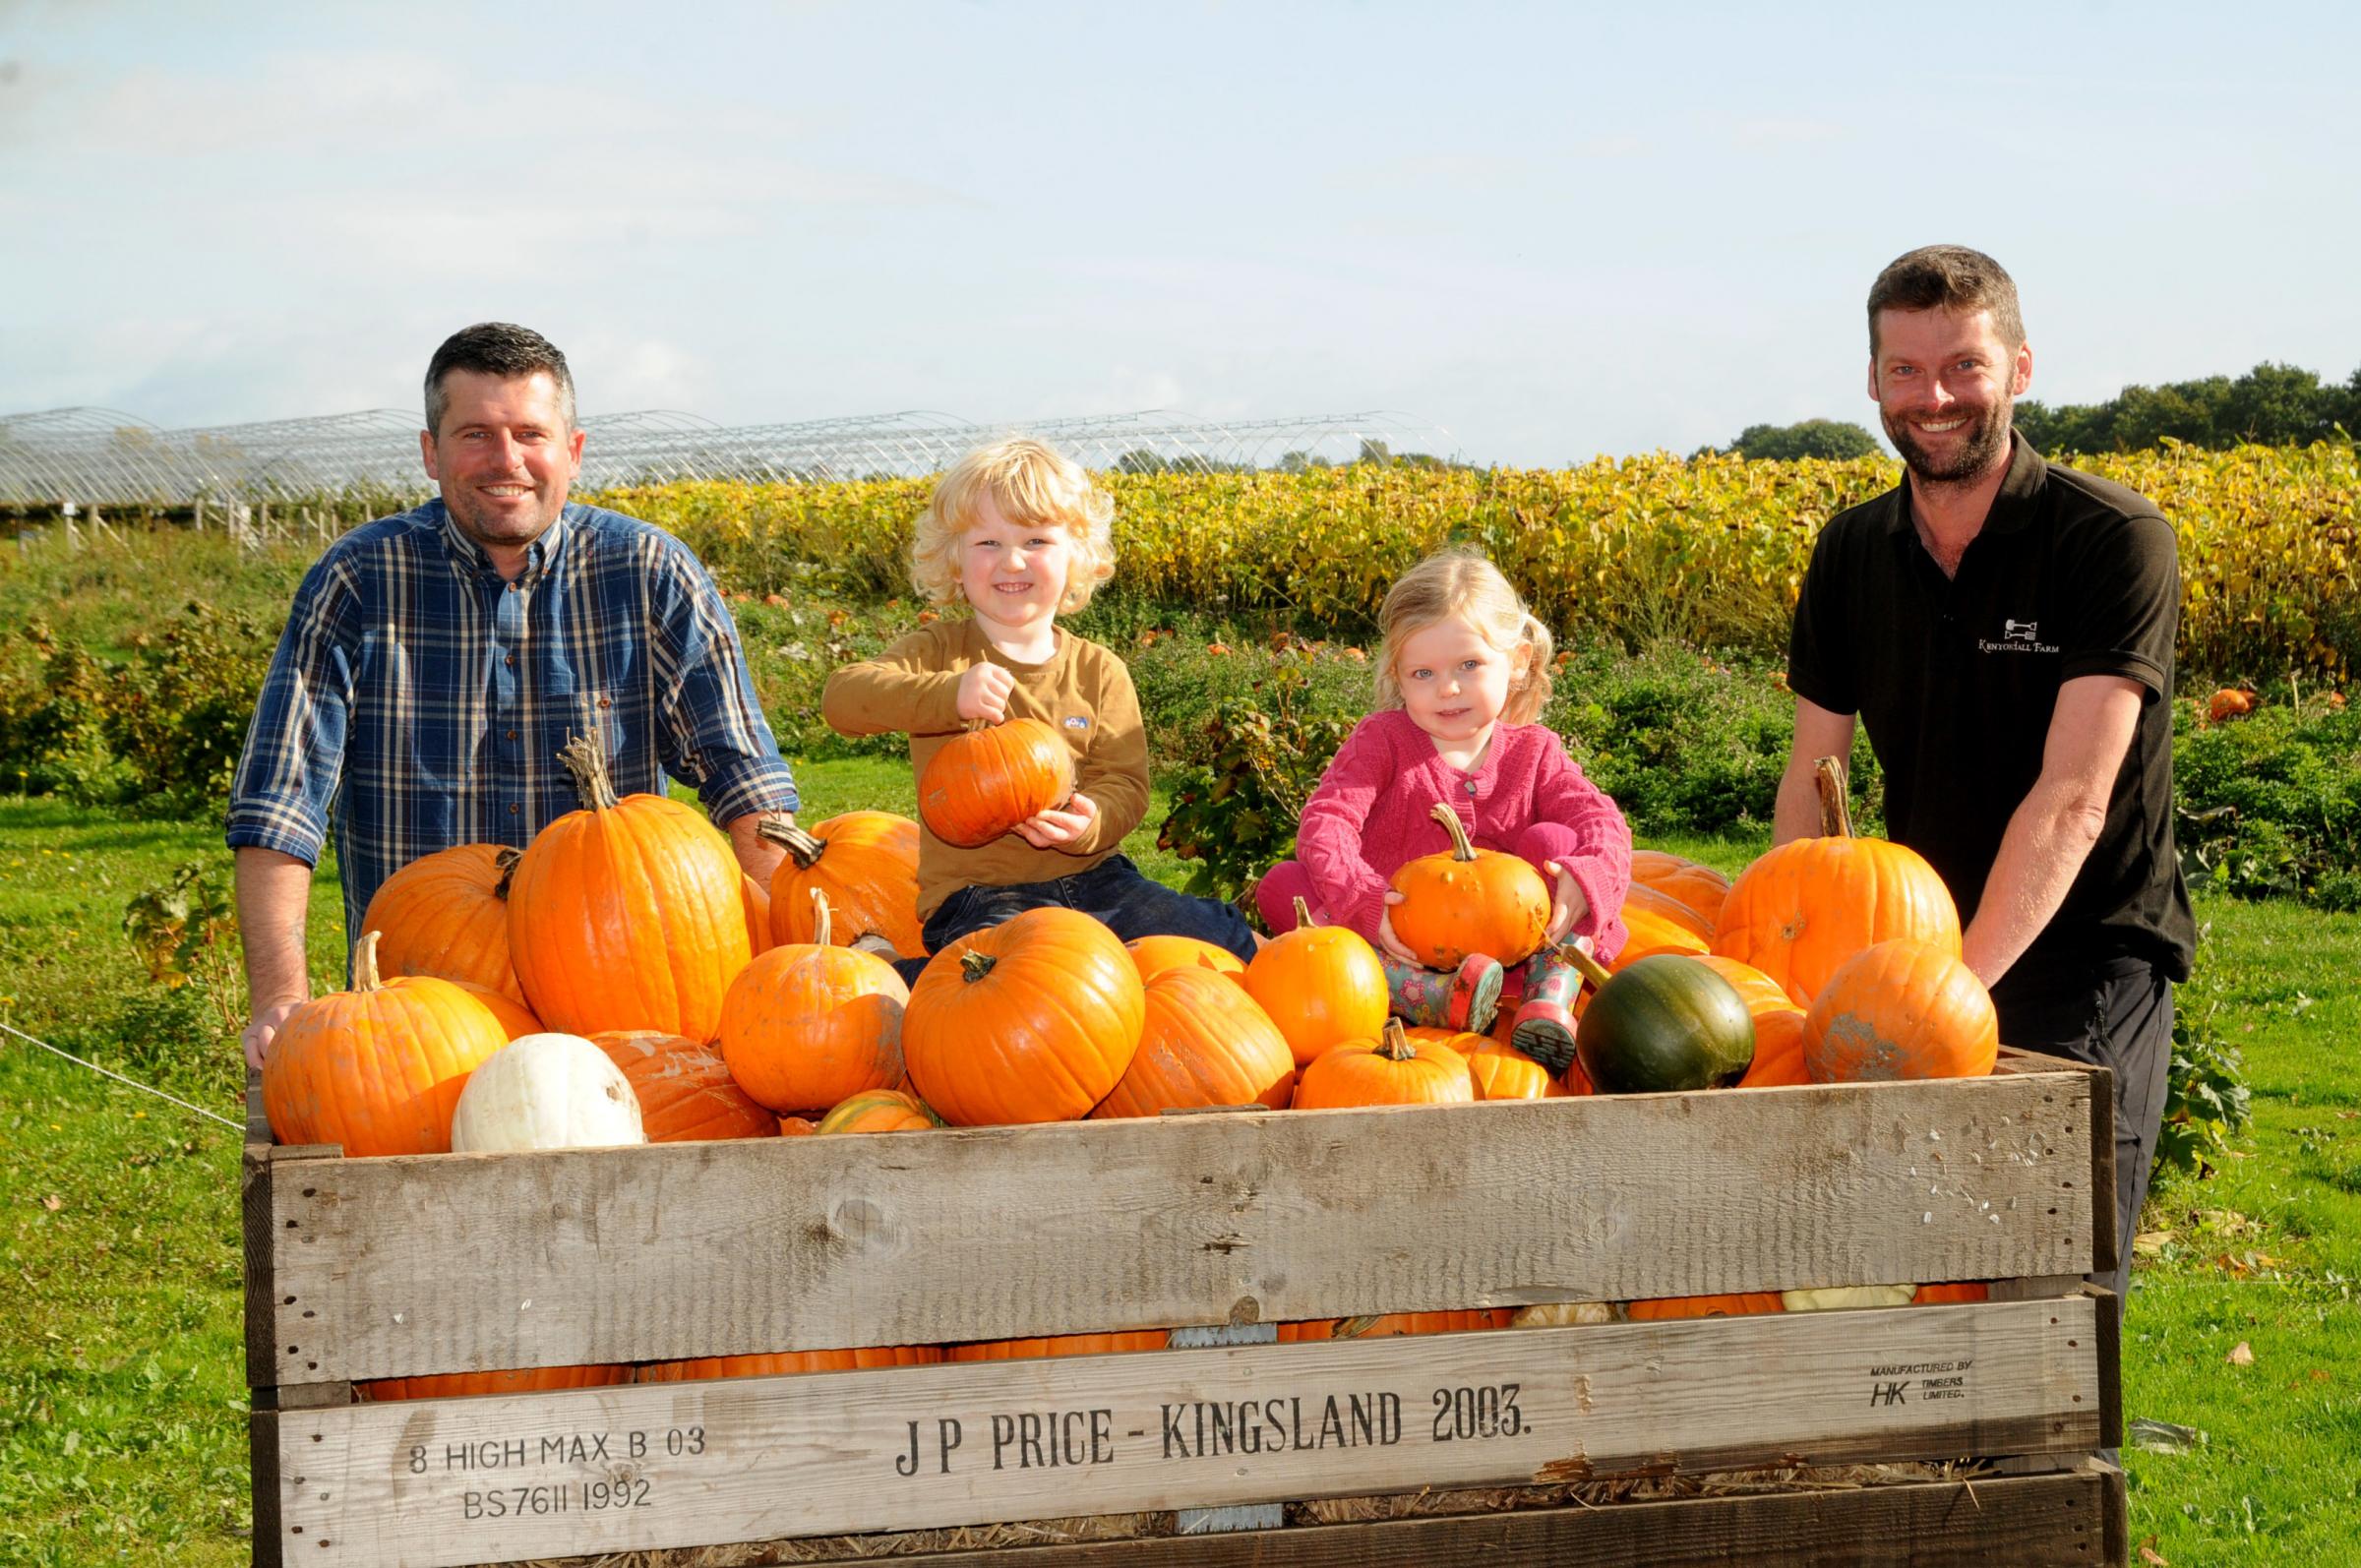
x=1387, y=942
x=984, y=693
x=1058, y=826
x=1565, y=908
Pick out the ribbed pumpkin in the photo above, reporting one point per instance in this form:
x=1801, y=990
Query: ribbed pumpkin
x=1388, y=1325
x=866, y=863
x=1778, y=1023
x=1647, y=933
x=1665, y=1023
x=1153, y=955
x=1950, y=1295
x=1320, y=985
x=797, y=1127
x=527, y=1380
x=1035, y=1019
x=1804, y=908
x=627, y=914
x=686, y=1092
x=514, y=1016
x=1701, y=887
x=1392, y=1070
x=1746, y=1303
x=869, y=1358
x=1203, y=1042
x=809, y=1023
x=1639, y=899
x=1459, y=1040
x=758, y=915
x=447, y=914
x=880, y=1111
x=1846, y=1297
x=1503, y=1072
x=377, y=1068
x=1902, y=1010
x=1146, y=1339
x=979, y=785
x=1468, y=900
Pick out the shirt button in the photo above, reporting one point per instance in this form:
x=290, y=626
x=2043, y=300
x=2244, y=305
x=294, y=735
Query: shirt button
x=514, y=584
x=1470, y=786
x=511, y=735
x=513, y=807
x=510, y=660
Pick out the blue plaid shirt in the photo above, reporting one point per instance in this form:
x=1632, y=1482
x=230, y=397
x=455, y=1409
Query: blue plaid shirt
x=421, y=701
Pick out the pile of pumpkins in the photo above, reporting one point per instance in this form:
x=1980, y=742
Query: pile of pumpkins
x=621, y=980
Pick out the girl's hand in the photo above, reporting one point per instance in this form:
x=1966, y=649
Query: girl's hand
x=984, y=693
x=1568, y=905
x=1387, y=942
x=1058, y=826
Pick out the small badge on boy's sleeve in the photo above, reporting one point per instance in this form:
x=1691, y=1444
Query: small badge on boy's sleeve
x=1077, y=721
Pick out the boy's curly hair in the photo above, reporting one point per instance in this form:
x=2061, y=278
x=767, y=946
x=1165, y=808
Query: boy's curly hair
x=1462, y=584
x=1032, y=485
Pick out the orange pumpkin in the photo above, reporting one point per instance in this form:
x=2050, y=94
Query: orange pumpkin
x=1320, y=985
x=1503, y=1072
x=1639, y=899
x=627, y=914
x=1203, y=1042
x=809, y=1023
x=1035, y=1019
x=1153, y=955
x=1459, y=1040
x=979, y=785
x=1778, y=1050
x=1947, y=1294
x=526, y=1380
x=447, y=914
x=763, y=1364
x=880, y=1111
x=866, y=863
x=514, y=1016
x=378, y=1068
x=1648, y=932
x=1388, y=1325
x=1146, y=1339
x=1701, y=887
x=758, y=915
x=685, y=1088
x=797, y=1127
x=1804, y=908
x=1744, y=1305
x=1902, y=1010
x=1392, y=1070
x=1468, y=900
x=2229, y=702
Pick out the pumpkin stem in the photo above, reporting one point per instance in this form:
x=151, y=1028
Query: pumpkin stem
x=1836, y=816
x=1352, y=1328
x=1461, y=849
x=364, y=962
x=1304, y=920
x=974, y=965
x=582, y=759
x=507, y=861
x=819, y=918
x=805, y=847
x=1393, y=1044
x=1590, y=968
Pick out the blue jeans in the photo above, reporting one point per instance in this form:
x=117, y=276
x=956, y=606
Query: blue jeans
x=1112, y=891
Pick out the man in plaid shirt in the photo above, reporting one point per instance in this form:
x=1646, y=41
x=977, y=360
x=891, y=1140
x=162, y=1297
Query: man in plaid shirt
x=435, y=662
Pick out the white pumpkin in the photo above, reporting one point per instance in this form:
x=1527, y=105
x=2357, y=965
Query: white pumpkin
x=1564, y=1315
x=546, y=1091
x=1838, y=1297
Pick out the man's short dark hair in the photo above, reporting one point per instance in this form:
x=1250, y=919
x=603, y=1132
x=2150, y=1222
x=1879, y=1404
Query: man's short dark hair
x=1949, y=277
x=496, y=348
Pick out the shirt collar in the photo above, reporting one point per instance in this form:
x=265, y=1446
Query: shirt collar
x=540, y=557
x=2013, y=506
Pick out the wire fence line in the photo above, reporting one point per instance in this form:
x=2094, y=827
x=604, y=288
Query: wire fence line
x=74, y=460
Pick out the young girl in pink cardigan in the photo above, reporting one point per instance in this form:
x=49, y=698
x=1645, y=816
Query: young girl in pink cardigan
x=1463, y=674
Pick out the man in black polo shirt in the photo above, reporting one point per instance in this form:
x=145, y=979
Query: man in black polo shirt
x=2003, y=627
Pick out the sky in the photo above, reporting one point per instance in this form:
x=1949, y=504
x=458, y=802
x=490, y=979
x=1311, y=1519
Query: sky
x=1544, y=231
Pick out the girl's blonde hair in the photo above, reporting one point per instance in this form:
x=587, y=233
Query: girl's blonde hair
x=1462, y=585
x=1032, y=485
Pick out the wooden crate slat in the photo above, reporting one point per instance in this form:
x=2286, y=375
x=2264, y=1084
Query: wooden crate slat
x=438, y=1482
x=460, y=1263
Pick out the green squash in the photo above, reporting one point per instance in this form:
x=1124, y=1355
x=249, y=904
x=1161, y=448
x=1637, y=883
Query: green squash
x=1667, y=1022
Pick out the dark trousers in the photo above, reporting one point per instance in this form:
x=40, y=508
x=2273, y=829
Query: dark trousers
x=1112, y=891
x=2116, y=1015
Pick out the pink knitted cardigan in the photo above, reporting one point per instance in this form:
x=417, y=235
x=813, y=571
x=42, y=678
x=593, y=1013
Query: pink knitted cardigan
x=1527, y=796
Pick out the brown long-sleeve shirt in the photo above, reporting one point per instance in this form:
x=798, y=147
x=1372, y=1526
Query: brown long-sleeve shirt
x=1083, y=692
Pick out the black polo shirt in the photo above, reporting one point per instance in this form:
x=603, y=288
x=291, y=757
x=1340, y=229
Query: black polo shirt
x=1955, y=679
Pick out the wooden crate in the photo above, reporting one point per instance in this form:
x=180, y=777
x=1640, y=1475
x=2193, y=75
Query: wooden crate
x=370, y=1268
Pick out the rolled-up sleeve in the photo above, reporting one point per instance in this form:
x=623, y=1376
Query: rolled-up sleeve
x=294, y=755
x=710, y=727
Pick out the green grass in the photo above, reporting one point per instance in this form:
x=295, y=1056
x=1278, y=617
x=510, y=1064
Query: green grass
x=122, y=1392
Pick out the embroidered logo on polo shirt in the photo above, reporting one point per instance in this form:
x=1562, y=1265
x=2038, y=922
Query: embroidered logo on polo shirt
x=2017, y=636
x=1077, y=721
